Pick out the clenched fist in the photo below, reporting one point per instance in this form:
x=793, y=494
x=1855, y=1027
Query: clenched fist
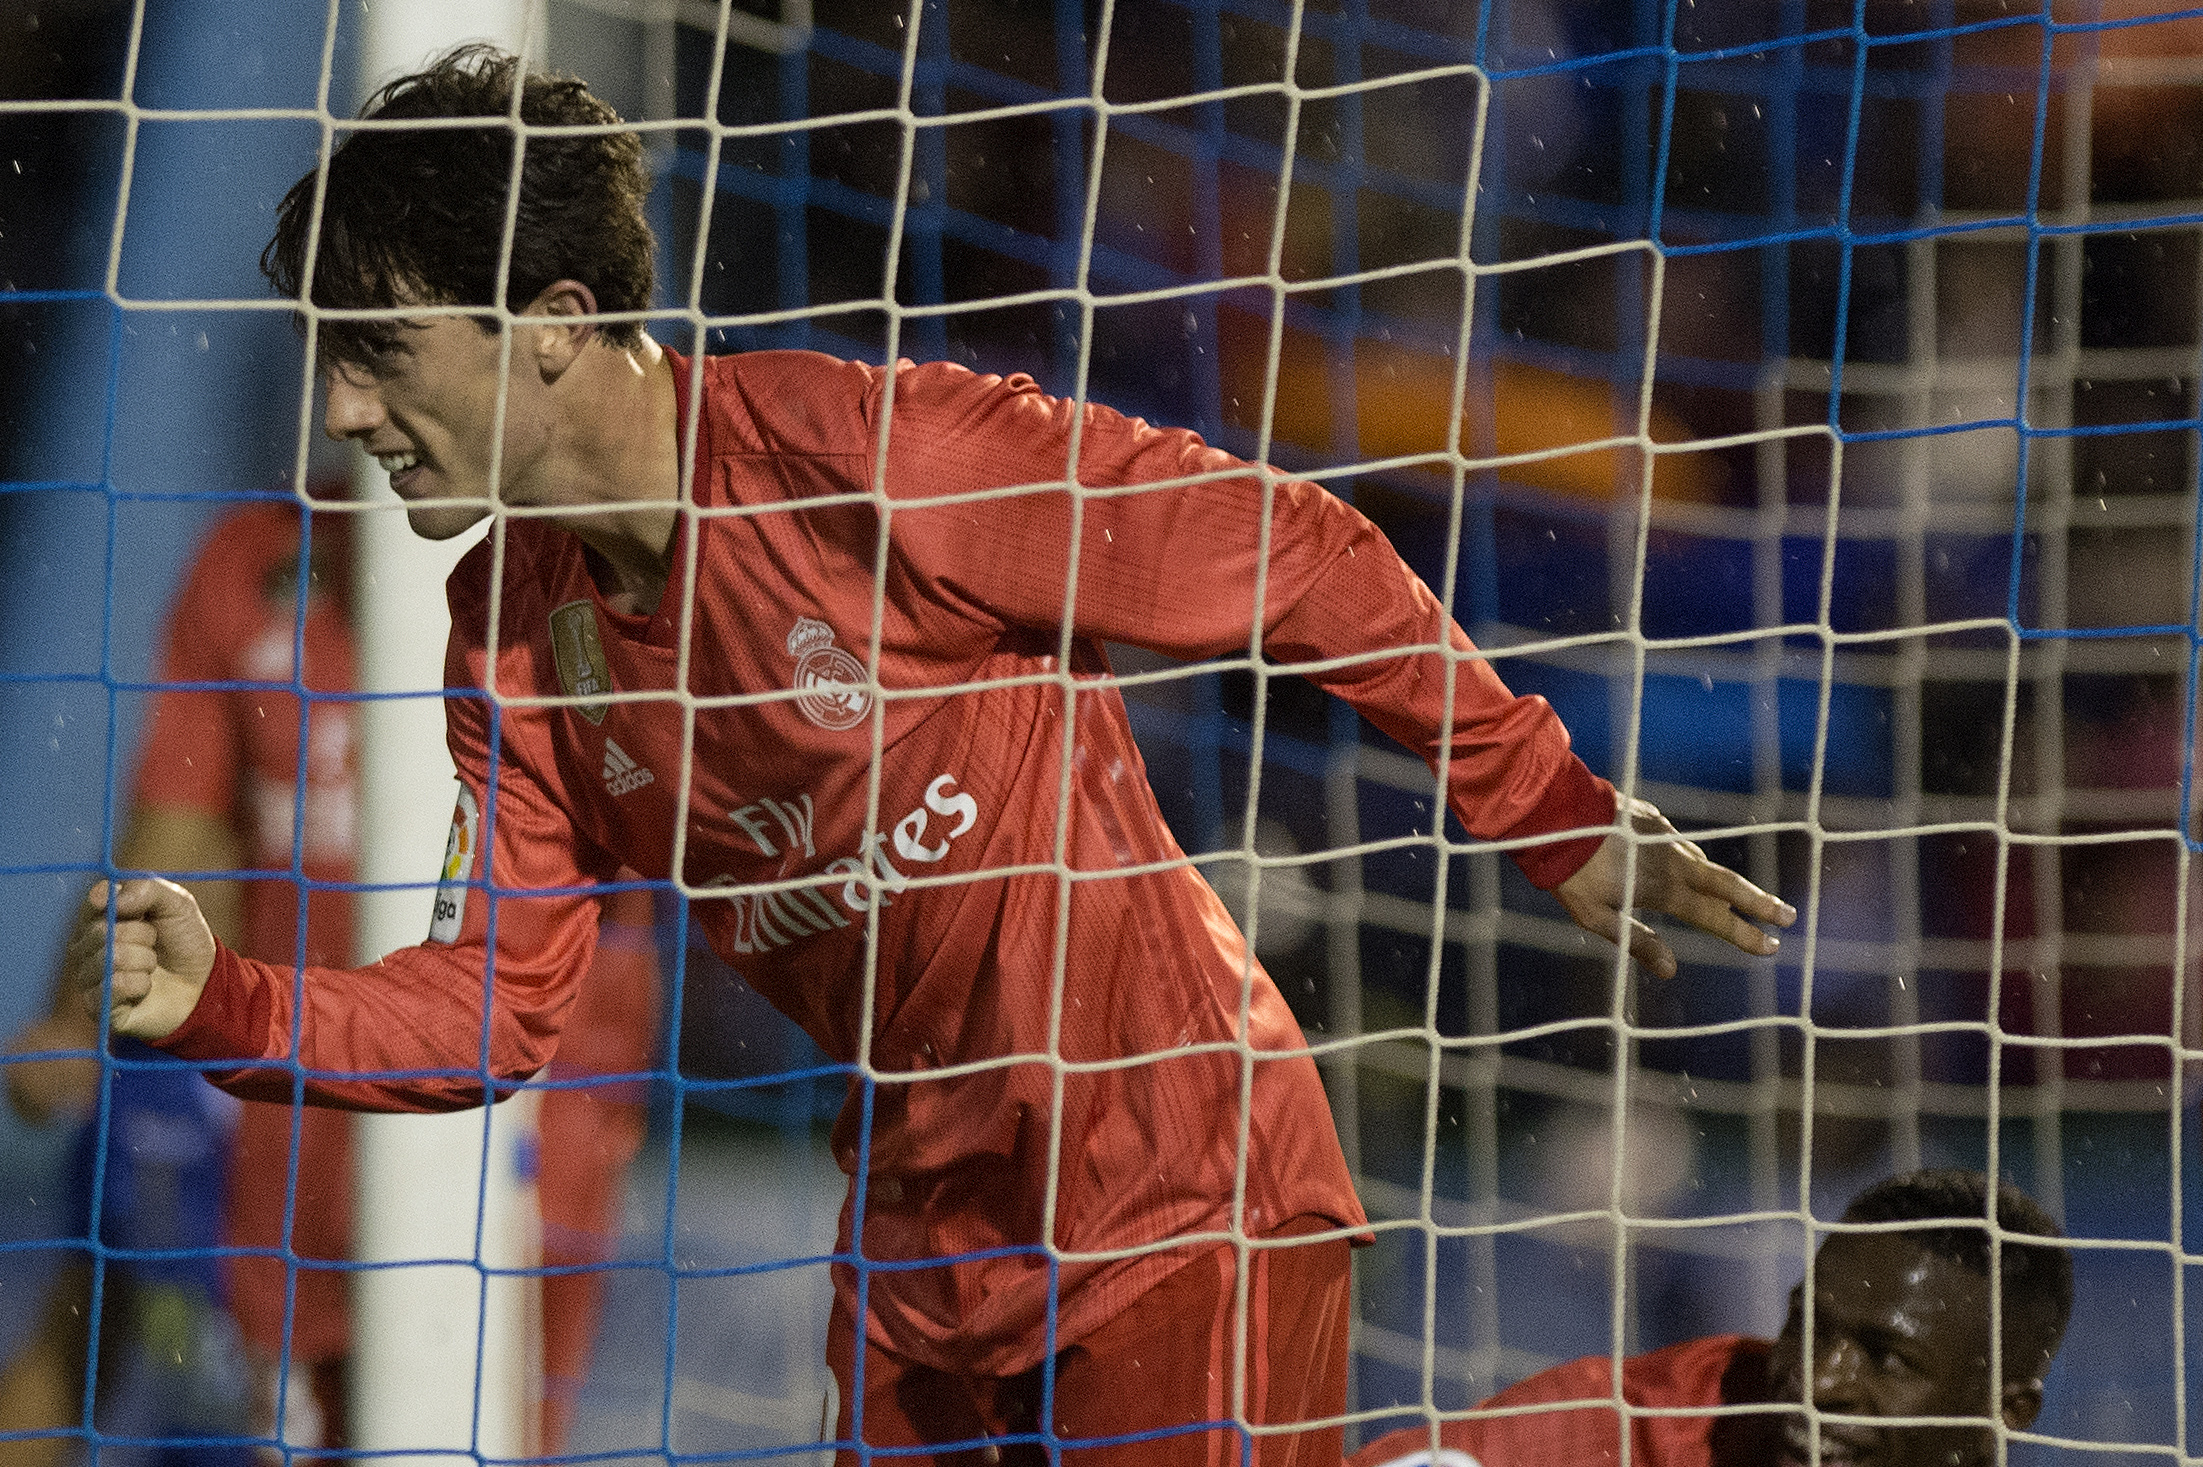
x=1675, y=877
x=163, y=951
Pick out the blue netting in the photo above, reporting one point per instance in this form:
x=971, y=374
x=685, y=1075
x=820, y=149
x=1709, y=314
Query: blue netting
x=1911, y=626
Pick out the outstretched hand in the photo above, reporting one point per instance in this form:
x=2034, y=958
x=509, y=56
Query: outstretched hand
x=164, y=951
x=1674, y=877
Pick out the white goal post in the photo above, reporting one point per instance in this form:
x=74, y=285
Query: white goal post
x=444, y=1357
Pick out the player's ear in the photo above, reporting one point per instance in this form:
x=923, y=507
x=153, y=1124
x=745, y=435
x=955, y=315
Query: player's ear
x=2021, y=1401
x=559, y=342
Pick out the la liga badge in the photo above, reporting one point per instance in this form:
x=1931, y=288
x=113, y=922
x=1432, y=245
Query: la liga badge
x=451, y=887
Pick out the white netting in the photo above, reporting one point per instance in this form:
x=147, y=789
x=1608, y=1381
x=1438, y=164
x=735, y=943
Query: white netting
x=1910, y=269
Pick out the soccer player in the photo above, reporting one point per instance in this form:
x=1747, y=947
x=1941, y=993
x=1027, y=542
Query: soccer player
x=221, y=786
x=1901, y=1328
x=829, y=638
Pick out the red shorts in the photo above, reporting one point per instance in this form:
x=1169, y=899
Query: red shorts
x=1167, y=1363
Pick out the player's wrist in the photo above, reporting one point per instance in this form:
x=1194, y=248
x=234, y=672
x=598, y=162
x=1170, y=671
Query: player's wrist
x=1573, y=799
x=200, y=1018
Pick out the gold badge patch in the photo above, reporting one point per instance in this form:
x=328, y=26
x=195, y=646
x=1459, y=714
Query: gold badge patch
x=582, y=670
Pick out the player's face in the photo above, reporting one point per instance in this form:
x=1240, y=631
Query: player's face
x=427, y=411
x=1897, y=1331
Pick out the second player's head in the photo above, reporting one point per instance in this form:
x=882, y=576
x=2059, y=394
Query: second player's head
x=1902, y=1319
x=415, y=208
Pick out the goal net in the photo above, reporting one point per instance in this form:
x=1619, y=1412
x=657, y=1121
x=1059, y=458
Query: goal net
x=1803, y=397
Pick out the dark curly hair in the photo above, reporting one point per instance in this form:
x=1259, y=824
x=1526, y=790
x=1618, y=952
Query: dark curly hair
x=416, y=215
x=2036, y=1282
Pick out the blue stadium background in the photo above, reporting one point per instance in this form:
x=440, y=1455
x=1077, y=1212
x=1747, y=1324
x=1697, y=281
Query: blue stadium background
x=1862, y=213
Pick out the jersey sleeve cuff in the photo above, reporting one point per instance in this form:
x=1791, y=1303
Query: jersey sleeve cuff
x=231, y=1016
x=1573, y=799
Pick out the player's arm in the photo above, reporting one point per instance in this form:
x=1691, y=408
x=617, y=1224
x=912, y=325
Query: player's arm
x=158, y=838
x=156, y=919
x=173, y=838
x=408, y=1032
x=1179, y=570
x=179, y=819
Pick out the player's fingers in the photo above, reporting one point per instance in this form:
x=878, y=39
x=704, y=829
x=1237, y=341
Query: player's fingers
x=1732, y=889
x=120, y=980
x=1659, y=881
x=88, y=946
x=136, y=934
x=86, y=989
x=135, y=945
x=131, y=898
x=94, y=909
x=1707, y=898
x=1678, y=880
x=91, y=923
x=1666, y=868
x=130, y=985
x=152, y=898
x=1650, y=952
x=136, y=954
x=1598, y=918
x=85, y=964
x=86, y=940
x=87, y=959
x=1716, y=917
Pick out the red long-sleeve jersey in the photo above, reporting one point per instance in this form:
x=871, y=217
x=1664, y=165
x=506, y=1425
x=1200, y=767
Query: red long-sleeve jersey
x=1721, y=1370
x=927, y=835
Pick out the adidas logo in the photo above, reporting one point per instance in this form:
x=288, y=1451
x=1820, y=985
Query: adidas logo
x=622, y=774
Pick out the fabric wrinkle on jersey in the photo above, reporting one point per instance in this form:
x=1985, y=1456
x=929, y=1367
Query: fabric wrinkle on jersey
x=1719, y=1370
x=962, y=854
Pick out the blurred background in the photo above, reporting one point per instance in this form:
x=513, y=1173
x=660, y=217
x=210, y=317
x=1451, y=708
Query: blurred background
x=1802, y=396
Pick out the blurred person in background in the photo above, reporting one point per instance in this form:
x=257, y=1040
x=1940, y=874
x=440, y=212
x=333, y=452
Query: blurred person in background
x=1901, y=1321
x=223, y=785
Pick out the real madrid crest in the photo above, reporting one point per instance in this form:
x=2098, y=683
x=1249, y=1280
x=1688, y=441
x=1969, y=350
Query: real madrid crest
x=582, y=670
x=830, y=681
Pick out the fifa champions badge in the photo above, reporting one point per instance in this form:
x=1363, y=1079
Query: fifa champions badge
x=575, y=647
